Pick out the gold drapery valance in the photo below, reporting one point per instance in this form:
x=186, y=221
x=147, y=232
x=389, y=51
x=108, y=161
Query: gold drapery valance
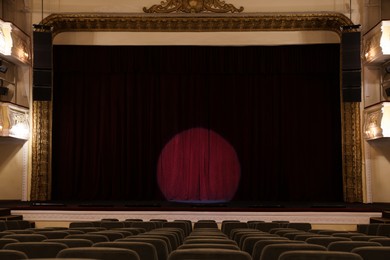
x=216, y=22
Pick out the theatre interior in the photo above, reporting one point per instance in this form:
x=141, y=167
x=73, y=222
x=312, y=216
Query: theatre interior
x=195, y=129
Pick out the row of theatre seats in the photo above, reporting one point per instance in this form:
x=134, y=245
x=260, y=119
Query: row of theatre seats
x=159, y=239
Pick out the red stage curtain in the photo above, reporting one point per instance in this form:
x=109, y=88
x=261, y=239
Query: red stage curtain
x=117, y=107
x=198, y=165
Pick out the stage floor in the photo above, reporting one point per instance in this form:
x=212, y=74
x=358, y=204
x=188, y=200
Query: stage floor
x=315, y=213
x=195, y=206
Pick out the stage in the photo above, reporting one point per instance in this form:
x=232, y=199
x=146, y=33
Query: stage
x=346, y=214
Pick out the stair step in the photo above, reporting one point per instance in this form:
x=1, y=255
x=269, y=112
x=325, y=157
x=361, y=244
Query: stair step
x=380, y=220
x=5, y=212
x=11, y=217
x=386, y=214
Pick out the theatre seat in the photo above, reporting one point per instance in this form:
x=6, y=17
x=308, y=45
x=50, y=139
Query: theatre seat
x=305, y=236
x=252, y=223
x=207, y=253
x=272, y=252
x=27, y=237
x=236, y=233
x=184, y=225
x=102, y=253
x=157, y=236
x=214, y=233
x=348, y=234
x=53, y=234
x=147, y=225
x=205, y=224
x=373, y=253
x=78, y=224
x=249, y=242
x=210, y=241
x=177, y=232
x=292, y=235
x=37, y=249
x=72, y=242
x=229, y=226
x=384, y=241
x=173, y=238
x=383, y=230
x=5, y=241
x=325, y=241
x=145, y=251
x=159, y=244
x=318, y=255
x=267, y=226
x=188, y=225
x=260, y=245
x=4, y=233
x=111, y=235
x=220, y=246
x=12, y=255
x=3, y=226
x=348, y=246
x=365, y=237
x=92, y=237
x=300, y=225
x=111, y=224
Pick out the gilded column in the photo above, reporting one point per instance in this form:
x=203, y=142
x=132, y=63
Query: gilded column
x=41, y=151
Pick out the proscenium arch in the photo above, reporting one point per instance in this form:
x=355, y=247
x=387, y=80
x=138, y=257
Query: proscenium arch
x=205, y=22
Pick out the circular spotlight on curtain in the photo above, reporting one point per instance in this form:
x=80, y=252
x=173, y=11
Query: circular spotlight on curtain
x=198, y=165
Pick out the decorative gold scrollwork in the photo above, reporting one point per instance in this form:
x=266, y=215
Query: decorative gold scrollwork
x=193, y=6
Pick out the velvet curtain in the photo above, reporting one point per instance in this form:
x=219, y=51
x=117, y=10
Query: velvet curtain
x=277, y=108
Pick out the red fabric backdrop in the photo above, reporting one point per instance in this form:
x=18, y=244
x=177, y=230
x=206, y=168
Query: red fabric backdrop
x=115, y=108
x=198, y=165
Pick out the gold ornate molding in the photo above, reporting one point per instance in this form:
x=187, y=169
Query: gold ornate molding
x=217, y=22
x=41, y=151
x=206, y=22
x=193, y=6
x=352, y=153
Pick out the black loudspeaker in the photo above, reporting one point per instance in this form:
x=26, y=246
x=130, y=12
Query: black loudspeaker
x=42, y=49
x=42, y=64
x=41, y=93
x=351, y=66
x=351, y=82
x=42, y=77
x=351, y=78
x=350, y=50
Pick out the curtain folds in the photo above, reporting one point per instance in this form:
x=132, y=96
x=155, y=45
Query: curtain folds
x=117, y=108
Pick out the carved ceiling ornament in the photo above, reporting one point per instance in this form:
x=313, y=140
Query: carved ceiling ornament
x=193, y=6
